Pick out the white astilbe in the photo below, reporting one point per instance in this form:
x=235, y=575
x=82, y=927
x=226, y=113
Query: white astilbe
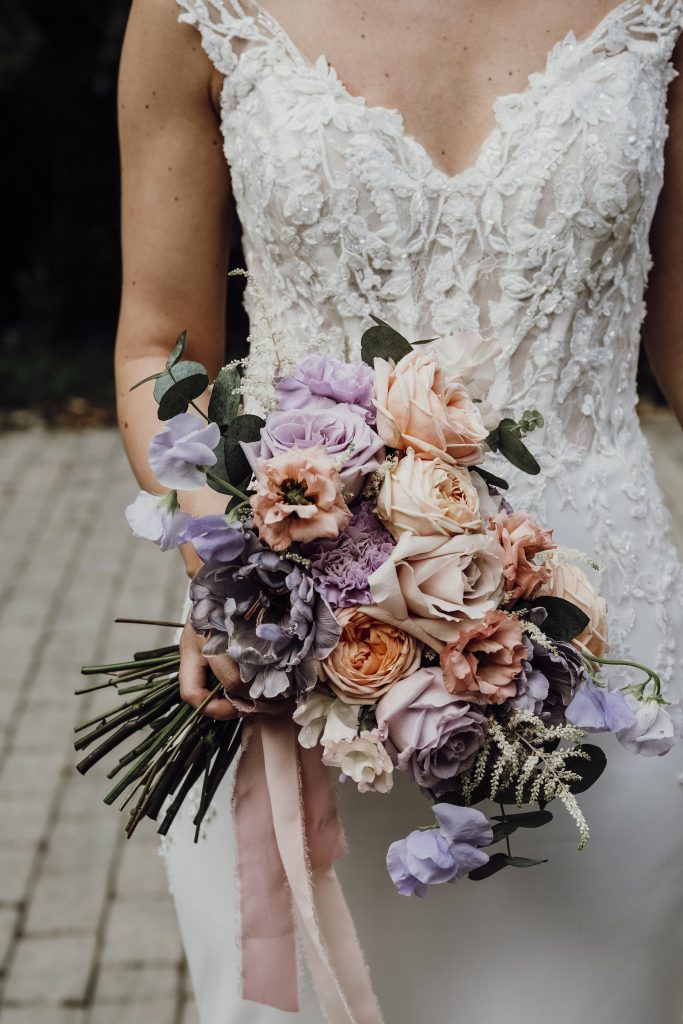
x=560, y=555
x=514, y=754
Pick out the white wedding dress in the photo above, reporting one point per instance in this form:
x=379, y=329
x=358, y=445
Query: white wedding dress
x=542, y=243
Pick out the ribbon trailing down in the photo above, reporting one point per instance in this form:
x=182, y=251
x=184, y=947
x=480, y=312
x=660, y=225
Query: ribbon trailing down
x=288, y=836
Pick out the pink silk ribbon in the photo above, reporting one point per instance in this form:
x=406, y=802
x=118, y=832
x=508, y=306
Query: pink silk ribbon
x=288, y=836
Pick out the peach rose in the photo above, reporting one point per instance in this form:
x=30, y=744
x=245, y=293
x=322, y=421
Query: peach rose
x=369, y=658
x=522, y=539
x=298, y=498
x=428, y=496
x=570, y=582
x=481, y=666
x=430, y=585
x=418, y=408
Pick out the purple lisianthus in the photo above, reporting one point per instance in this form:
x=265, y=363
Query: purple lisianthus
x=341, y=567
x=431, y=734
x=262, y=611
x=443, y=854
x=320, y=382
x=657, y=728
x=157, y=518
x=339, y=429
x=176, y=452
x=214, y=538
x=597, y=709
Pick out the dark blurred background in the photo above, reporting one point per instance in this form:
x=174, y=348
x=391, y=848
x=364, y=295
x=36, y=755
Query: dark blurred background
x=60, y=252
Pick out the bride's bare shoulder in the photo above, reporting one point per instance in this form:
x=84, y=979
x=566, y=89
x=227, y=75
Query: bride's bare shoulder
x=159, y=48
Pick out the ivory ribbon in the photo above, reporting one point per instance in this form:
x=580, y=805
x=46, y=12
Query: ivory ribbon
x=288, y=836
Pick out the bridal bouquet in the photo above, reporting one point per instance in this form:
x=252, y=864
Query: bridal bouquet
x=371, y=578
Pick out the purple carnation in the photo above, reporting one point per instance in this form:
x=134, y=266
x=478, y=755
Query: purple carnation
x=443, y=854
x=339, y=429
x=342, y=567
x=320, y=381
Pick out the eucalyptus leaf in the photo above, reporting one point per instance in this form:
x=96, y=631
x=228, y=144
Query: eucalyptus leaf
x=219, y=469
x=225, y=398
x=502, y=829
x=496, y=863
x=146, y=380
x=178, y=350
x=423, y=341
x=524, y=862
x=176, y=389
x=528, y=819
x=243, y=428
x=512, y=448
x=564, y=622
x=491, y=478
x=590, y=771
x=383, y=342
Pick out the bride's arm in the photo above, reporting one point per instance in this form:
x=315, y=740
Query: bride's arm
x=176, y=215
x=663, y=328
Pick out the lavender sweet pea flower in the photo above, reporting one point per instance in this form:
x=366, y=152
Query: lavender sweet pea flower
x=176, y=452
x=342, y=567
x=339, y=429
x=657, y=728
x=599, y=710
x=443, y=854
x=153, y=517
x=320, y=382
x=214, y=538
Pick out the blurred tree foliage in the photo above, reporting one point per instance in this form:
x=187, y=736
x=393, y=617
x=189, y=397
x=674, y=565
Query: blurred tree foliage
x=60, y=252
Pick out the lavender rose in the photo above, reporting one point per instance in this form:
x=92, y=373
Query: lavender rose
x=431, y=734
x=178, y=451
x=320, y=382
x=444, y=854
x=342, y=432
x=342, y=567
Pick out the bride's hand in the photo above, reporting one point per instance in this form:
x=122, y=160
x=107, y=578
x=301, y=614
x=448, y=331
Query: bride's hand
x=194, y=675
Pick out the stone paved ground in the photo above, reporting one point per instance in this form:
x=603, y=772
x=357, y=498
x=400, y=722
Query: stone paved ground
x=87, y=931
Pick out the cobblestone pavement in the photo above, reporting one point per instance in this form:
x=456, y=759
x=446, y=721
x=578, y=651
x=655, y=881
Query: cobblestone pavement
x=87, y=929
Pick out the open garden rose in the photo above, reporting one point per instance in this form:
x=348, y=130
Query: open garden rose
x=482, y=665
x=428, y=496
x=369, y=657
x=431, y=585
x=570, y=582
x=298, y=498
x=522, y=539
x=468, y=357
x=417, y=407
x=343, y=433
x=431, y=734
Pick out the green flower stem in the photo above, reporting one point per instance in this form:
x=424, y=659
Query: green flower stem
x=235, y=491
x=127, y=666
x=650, y=673
x=507, y=838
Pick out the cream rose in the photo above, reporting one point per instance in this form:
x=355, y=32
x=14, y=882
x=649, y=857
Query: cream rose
x=571, y=583
x=417, y=407
x=428, y=496
x=369, y=657
x=467, y=356
x=429, y=586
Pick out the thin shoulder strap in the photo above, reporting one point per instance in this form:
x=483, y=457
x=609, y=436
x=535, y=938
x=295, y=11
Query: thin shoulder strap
x=220, y=23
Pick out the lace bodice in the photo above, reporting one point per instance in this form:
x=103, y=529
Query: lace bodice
x=542, y=242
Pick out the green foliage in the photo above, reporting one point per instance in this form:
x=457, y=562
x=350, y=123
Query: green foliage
x=564, y=621
x=181, y=385
x=383, y=342
x=589, y=769
x=225, y=398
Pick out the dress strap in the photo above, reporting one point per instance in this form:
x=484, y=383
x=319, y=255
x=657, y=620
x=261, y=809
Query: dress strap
x=225, y=28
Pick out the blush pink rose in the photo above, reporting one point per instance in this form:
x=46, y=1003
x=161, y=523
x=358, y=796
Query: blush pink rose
x=481, y=666
x=419, y=408
x=522, y=539
x=298, y=498
x=570, y=582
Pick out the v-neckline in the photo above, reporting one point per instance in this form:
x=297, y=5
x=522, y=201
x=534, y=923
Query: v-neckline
x=451, y=179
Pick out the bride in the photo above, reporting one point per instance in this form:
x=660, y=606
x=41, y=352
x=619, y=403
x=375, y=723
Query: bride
x=447, y=166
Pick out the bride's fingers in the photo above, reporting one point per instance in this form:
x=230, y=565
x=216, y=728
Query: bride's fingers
x=226, y=671
x=193, y=677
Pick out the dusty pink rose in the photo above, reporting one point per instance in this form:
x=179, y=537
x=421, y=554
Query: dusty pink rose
x=522, y=539
x=481, y=666
x=298, y=498
x=570, y=582
x=418, y=407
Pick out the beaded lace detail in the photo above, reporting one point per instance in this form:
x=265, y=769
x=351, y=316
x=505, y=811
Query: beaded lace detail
x=542, y=242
